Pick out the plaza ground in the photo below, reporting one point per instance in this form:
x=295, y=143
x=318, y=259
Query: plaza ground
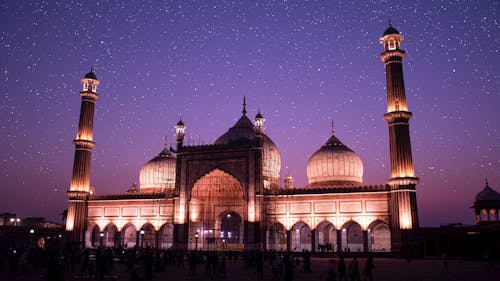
x=385, y=270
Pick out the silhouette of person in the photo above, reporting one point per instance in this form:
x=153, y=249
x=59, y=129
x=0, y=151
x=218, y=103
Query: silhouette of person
x=354, y=270
x=369, y=269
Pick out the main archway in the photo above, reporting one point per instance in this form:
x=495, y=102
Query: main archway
x=213, y=197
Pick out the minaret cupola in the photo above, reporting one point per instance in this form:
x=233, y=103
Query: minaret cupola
x=180, y=129
x=259, y=123
x=90, y=82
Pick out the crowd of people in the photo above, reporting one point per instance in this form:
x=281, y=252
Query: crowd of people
x=143, y=263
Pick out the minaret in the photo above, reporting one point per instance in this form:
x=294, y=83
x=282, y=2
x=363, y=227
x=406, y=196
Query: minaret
x=180, y=129
x=403, y=202
x=80, y=180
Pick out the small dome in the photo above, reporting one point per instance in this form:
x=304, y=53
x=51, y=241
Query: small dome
x=390, y=30
x=133, y=188
x=159, y=173
x=91, y=75
x=334, y=164
x=488, y=194
x=180, y=123
x=258, y=115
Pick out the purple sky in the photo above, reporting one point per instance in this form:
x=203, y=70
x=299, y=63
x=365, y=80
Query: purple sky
x=301, y=63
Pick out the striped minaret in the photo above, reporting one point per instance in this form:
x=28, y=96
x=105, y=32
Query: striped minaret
x=79, y=188
x=403, y=202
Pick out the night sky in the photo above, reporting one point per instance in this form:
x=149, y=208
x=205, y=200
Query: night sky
x=302, y=63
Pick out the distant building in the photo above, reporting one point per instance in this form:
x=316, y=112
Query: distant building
x=467, y=241
x=227, y=194
x=16, y=232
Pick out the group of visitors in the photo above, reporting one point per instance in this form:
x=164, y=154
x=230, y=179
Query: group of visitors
x=351, y=272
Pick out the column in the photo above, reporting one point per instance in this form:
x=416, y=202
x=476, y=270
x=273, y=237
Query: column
x=313, y=240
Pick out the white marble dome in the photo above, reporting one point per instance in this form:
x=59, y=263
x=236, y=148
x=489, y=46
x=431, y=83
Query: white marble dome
x=334, y=164
x=159, y=173
x=244, y=132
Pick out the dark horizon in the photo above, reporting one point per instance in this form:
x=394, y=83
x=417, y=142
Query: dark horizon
x=301, y=64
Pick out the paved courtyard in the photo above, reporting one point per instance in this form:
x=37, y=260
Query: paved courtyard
x=385, y=270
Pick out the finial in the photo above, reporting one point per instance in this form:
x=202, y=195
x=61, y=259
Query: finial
x=244, y=105
x=333, y=129
x=486, y=181
x=91, y=68
x=390, y=25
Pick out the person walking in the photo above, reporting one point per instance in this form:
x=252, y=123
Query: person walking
x=354, y=270
x=369, y=269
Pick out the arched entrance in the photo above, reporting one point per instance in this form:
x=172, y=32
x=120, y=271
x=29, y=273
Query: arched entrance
x=213, y=197
x=326, y=237
x=379, y=238
x=352, y=237
x=147, y=236
x=92, y=237
x=110, y=237
x=129, y=236
x=166, y=236
x=301, y=237
x=276, y=237
x=231, y=229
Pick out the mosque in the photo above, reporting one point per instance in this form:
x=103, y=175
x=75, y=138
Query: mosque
x=227, y=195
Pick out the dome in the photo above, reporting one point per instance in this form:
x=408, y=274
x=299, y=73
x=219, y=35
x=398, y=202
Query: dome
x=91, y=75
x=334, y=164
x=243, y=132
x=159, y=173
x=488, y=194
x=390, y=30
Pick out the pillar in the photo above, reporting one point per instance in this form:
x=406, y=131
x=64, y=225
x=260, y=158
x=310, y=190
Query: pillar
x=313, y=240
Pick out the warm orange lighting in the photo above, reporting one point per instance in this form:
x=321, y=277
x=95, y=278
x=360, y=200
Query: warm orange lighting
x=194, y=212
x=70, y=222
x=405, y=220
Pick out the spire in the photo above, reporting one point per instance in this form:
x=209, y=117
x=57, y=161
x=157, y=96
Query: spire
x=244, y=111
x=486, y=180
x=333, y=129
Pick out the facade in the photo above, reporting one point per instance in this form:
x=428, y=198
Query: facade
x=227, y=196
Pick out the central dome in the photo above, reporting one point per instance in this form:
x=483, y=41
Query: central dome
x=244, y=132
x=334, y=164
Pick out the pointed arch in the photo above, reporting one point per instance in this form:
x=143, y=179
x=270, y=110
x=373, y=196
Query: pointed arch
x=213, y=196
x=147, y=235
x=379, y=236
x=226, y=169
x=129, y=235
x=300, y=236
x=276, y=236
x=110, y=238
x=326, y=236
x=166, y=239
x=352, y=236
x=92, y=235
